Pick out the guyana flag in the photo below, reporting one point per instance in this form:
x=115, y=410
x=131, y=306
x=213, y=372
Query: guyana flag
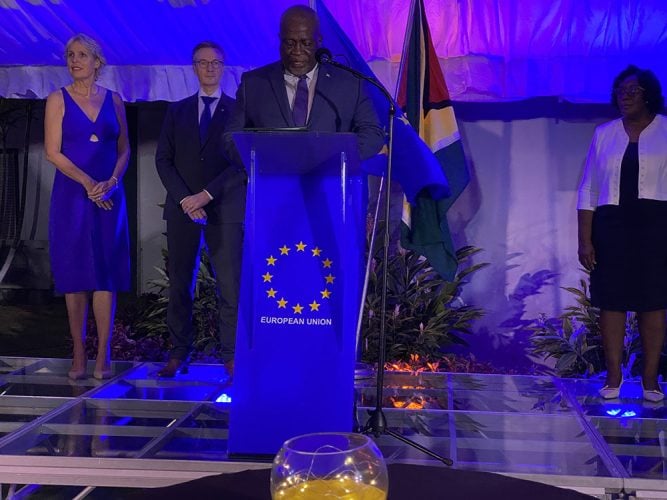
x=424, y=98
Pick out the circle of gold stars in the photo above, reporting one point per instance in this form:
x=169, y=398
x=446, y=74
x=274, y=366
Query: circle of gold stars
x=281, y=301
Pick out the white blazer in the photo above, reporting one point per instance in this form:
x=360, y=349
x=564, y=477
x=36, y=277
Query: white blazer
x=601, y=181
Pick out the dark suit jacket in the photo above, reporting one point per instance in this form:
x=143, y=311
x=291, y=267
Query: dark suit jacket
x=340, y=104
x=186, y=167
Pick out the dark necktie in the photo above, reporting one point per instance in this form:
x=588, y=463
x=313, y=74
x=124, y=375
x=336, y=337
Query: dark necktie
x=205, y=119
x=300, y=109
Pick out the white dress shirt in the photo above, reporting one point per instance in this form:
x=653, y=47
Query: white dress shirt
x=214, y=104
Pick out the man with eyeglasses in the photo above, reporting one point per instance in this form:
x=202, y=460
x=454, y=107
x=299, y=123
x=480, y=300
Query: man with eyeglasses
x=297, y=92
x=205, y=198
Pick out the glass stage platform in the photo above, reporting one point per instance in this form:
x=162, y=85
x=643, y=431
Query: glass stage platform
x=135, y=430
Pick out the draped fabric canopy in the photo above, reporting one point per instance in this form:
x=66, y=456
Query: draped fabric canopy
x=490, y=50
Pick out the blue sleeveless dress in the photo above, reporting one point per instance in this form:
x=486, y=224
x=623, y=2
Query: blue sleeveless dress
x=89, y=246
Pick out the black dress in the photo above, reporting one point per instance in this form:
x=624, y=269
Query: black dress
x=630, y=242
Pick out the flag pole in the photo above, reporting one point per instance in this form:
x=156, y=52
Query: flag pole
x=369, y=261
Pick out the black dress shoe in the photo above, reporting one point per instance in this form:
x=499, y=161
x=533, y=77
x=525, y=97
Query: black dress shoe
x=173, y=367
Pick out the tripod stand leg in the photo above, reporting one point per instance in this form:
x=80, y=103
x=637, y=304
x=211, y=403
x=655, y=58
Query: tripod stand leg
x=377, y=426
x=419, y=447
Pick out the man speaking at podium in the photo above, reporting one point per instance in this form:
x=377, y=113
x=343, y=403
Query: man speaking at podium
x=303, y=260
x=297, y=92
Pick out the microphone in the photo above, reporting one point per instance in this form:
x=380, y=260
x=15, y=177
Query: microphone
x=323, y=55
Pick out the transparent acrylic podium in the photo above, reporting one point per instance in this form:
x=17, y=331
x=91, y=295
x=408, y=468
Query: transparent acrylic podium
x=301, y=285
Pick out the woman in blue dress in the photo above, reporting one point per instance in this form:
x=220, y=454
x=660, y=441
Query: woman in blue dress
x=85, y=137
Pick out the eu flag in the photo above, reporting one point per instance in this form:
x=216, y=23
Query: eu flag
x=416, y=169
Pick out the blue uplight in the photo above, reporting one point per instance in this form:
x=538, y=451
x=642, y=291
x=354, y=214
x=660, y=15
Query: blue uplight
x=621, y=413
x=223, y=398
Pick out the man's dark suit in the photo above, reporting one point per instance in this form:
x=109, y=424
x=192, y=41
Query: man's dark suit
x=186, y=167
x=340, y=104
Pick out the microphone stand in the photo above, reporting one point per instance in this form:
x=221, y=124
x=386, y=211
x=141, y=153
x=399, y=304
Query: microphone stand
x=377, y=422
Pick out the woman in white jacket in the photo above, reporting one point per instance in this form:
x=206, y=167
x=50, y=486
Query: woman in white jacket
x=622, y=215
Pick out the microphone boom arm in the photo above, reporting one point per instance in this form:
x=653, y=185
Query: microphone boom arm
x=323, y=56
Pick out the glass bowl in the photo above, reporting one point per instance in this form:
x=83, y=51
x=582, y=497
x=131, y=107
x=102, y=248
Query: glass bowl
x=329, y=465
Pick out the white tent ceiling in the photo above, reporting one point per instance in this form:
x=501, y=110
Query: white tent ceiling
x=490, y=50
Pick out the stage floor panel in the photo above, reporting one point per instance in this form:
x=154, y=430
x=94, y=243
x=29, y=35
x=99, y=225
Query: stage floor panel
x=175, y=429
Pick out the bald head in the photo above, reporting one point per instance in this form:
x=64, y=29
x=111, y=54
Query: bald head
x=299, y=39
x=302, y=14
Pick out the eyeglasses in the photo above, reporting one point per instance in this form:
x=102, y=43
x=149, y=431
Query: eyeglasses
x=204, y=64
x=629, y=91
